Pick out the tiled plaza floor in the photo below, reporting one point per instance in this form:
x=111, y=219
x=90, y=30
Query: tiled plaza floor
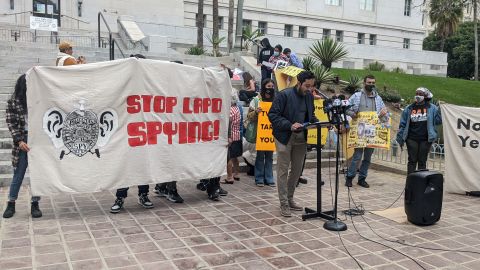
x=242, y=231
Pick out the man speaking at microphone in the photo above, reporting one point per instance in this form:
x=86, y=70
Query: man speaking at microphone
x=291, y=108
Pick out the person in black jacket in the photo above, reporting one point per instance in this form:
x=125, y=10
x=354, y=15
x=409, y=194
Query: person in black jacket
x=291, y=108
x=264, y=55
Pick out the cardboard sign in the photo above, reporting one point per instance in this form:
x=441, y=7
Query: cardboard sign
x=45, y=24
x=366, y=130
x=291, y=71
x=265, y=140
x=322, y=117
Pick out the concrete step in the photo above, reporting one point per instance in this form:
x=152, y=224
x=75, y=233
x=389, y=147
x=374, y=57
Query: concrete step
x=6, y=143
x=6, y=167
x=5, y=154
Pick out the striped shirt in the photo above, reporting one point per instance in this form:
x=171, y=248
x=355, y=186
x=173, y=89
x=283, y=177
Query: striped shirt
x=234, y=129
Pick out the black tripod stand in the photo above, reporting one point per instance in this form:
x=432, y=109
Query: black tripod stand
x=332, y=223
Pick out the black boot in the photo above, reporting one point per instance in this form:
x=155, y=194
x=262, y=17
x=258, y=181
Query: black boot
x=362, y=182
x=10, y=211
x=213, y=188
x=348, y=181
x=35, y=210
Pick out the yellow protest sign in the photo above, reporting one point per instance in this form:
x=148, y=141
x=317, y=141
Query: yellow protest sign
x=265, y=140
x=291, y=71
x=322, y=117
x=366, y=130
x=284, y=81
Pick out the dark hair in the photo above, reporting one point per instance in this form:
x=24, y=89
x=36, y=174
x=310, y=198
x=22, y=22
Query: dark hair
x=279, y=47
x=177, y=61
x=369, y=76
x=266, y=43
x=138, y=56
x=263, y=89
x=230, y=72
x=246, y=78
x=286, y=50
x=21, y=91
x=305, y=75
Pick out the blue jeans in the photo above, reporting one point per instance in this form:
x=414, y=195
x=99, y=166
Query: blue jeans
x=264, y=167
x=357, y=156
x=18, y=175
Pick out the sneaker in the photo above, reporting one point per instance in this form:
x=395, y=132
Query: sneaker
x=363, y=184
x=271, y=184
x=35, y=210
x=222, y=192
x=202, y=185
x=174, y=197
x=259, y=184
x=161, y=190
x=144, y=201
x=214, y=196
x=285, y=211
x=295, y=207
x=10, y=210
x=302, y=180
x=348, y=181
x=117, y=206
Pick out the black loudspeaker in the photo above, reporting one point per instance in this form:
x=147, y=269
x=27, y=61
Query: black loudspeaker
x=423, y=197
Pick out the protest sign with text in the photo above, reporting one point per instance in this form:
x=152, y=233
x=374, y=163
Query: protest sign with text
x=121, y=123
x=322, y=117
x=366, y=130
x=265, y=139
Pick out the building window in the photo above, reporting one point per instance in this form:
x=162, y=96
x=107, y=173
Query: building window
x=373, y=39
x=333, y=2
x=220, y=22
x=406, y=43
x=246, y=24
x=367, y=5
x=339, y=36
x=262, y=27
x=288, y=30
x=408, y=8
x=204, y=20
x=302, y=32
x=326, y=33
x=361, y=38
x=47, y=9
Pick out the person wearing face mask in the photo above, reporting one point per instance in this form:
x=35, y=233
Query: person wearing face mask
x=293, y=58
x=264, y=56
x=291, y=108
x=417, y=129
x=277, y=56
x=264, y=159
x=365, y=100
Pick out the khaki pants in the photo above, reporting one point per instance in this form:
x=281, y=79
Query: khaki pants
x=290, y=155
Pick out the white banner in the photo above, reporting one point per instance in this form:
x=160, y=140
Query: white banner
x=127, y=122
x=45, y=24
x=461, y=130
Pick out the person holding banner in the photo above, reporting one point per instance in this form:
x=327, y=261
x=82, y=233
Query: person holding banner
x=291, y=108
x=16, y=116
x=264, y=159
x=365, y=100
x=417, y=129
x=234, y=140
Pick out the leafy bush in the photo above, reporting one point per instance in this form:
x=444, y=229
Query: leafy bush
x=196, y=51
x=398, y=70
x=309, y=63
x=390, y=95
x=328, y=51
x=322, y=75
x=353, y=84
x=375, y=66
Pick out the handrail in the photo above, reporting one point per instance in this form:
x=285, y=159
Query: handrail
x=78, y=20
x=112, y=49
x=100, y=15
x=16, y=13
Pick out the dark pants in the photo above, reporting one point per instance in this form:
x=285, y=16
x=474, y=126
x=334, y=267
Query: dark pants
x=266, y=74
x=122, y=192
x=417, y=153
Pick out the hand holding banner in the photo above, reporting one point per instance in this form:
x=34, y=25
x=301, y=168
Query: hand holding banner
x=366, y=130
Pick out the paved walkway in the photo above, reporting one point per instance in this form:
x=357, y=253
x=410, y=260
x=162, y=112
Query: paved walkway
x=242, y=231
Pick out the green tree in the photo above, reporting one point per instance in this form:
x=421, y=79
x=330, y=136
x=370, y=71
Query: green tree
x=328, y=51
x=445, y=15
x=460, y=48
x=200, y=23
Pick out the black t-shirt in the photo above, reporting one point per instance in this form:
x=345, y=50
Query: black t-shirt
x=418, y=123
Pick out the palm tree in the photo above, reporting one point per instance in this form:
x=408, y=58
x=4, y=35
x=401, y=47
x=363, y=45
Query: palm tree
x=215, y=36
x=328, y=51
x=249, y=36
x=231, y=8
x=446, y=15
x=475, y=27
x=238, y=31
x=322, y=75
x=200, y=24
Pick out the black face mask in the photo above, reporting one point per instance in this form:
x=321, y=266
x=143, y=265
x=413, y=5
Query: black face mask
x=268, y=91
x=369, y=87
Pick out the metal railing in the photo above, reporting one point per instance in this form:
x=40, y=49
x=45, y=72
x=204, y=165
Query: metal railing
x=111, y=43
x=75, y=19
x=29, y=36
x=395, y=155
